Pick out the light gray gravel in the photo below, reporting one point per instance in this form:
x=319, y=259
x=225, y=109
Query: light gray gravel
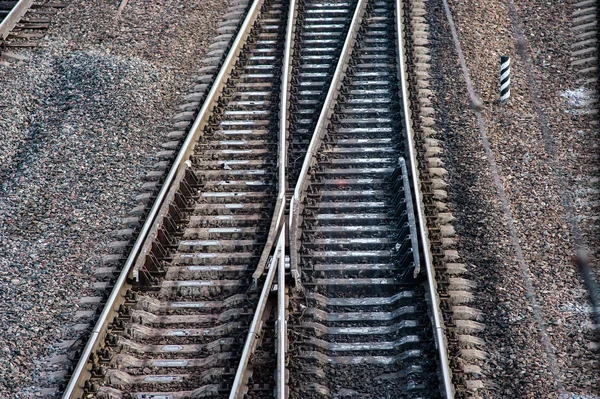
x=517, y=364
x=80, y=122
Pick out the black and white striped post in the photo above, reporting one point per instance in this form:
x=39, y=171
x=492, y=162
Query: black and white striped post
x=504, y=78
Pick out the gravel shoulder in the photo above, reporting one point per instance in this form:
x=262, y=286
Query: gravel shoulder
x=535, y=183
x=81, y=122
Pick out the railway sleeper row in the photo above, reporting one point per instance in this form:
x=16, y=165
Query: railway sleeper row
x=363, y=320
x=183, y=332
x=32, y=26
x=362, y=327
x=321, y=29
x=454, y=284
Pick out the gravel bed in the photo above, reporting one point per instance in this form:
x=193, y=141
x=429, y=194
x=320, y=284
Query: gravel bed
x=81, y=122
x=517, y=364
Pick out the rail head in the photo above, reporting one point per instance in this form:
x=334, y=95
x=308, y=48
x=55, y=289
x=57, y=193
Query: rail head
x=13, y=17
x=254, y=333
x=281, y=322
x=284, y=96
x=277, y=232
x=412, y=223
x=436, y=316
x=131, y=268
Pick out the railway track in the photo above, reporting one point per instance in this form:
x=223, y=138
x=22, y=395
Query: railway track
x=11, y=13
x=363, y=315
x=286, y=252
x=23, y=22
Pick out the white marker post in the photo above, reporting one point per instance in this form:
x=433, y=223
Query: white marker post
x=504, y=78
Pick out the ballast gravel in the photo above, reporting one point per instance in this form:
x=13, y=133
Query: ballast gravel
x=543, y=153
x=80, y=122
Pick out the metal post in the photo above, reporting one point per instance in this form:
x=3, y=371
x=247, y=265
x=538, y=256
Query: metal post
x=504, y=78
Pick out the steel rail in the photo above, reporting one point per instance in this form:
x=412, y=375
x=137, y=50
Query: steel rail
x=281, y=333
x=411, y=218
x=278, y=217
x=277, y=229
x=13, y=17
x=284, y=98
x=202, y=118
x=436, y=317
x=75, y=385
x=316, y=139
x=277, y=261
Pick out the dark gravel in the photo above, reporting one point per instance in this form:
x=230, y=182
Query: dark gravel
x=81, y=122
